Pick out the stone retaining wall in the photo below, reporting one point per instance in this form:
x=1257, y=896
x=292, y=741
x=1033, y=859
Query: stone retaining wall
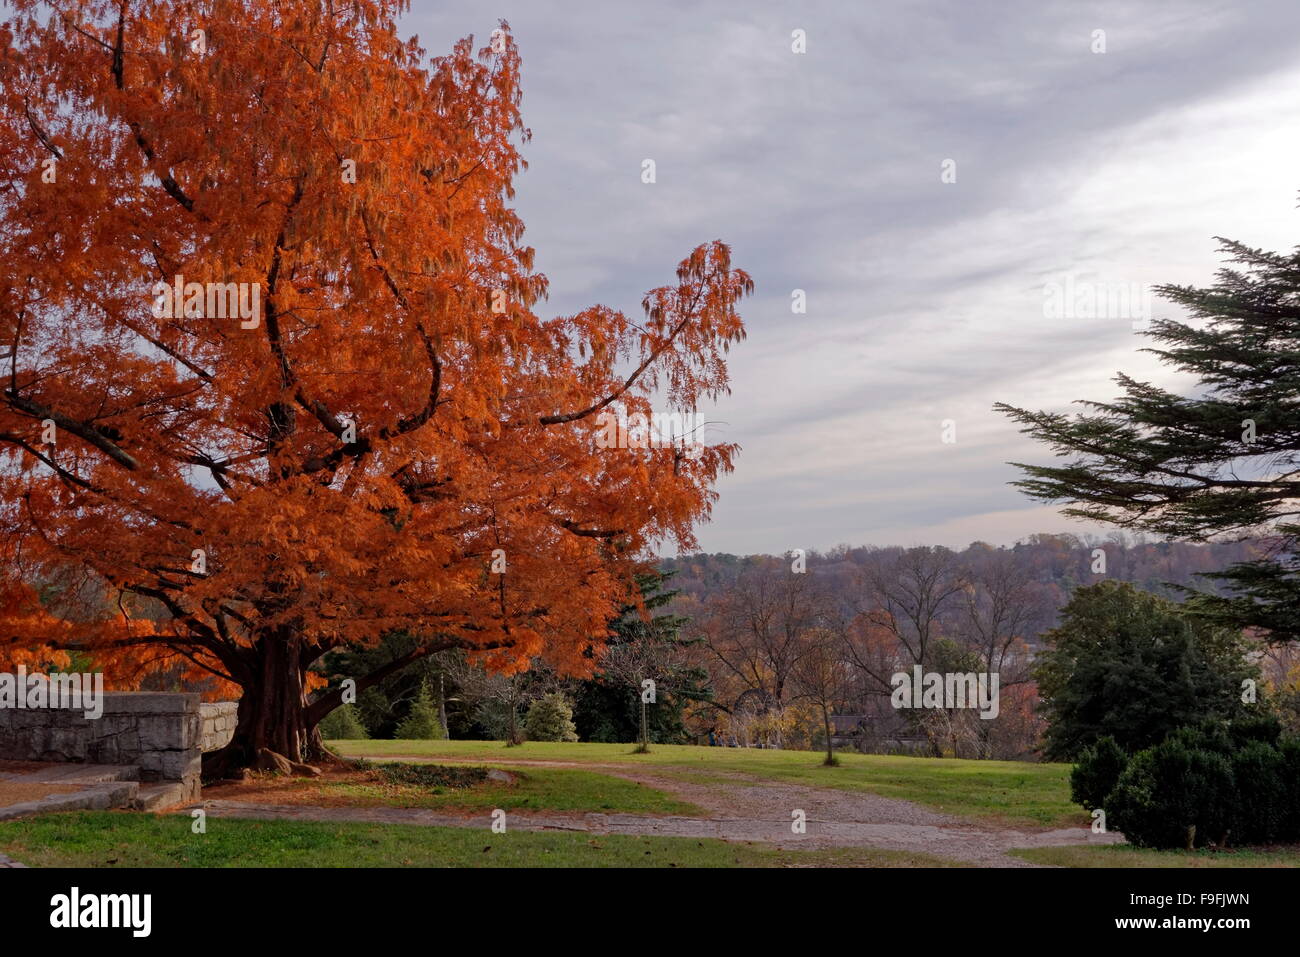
x=159, y=733
x=218, y=723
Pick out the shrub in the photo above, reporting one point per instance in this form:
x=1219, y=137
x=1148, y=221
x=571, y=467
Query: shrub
x=550, y=718
x=1173, y=796
x=1209, y=735
x=422, y=721
x=1255, y=727
x=1289, y=752
x=342, y=724
x=432, y=776
x=1182, y=781
x=1097, y=773
x=1262, y=798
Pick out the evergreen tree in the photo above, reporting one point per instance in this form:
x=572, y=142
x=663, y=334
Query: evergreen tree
x=609, y=706
x=343, y=724
x=382, y=706
x=422, y=721
x=1134, y=666
x=550, y=718
x=1221, y=460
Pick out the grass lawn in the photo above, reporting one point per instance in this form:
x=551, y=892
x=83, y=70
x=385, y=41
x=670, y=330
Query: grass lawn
x=124, y=839
x=550, y=789
x=1121, y=855
x=1010, y=792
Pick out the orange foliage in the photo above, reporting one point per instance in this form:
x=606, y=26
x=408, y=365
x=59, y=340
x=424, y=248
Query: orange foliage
x=345, y=462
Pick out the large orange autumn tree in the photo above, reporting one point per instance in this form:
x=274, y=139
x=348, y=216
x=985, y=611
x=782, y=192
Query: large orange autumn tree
x=390, y=426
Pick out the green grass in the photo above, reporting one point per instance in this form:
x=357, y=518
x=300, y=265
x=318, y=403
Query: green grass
x=1122, y=855
x=120, y=839
x=1010, y=792
x=550, y=789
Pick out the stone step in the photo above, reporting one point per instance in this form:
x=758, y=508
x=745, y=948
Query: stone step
x=96, y=797
x=161, y=797
x=84, y=773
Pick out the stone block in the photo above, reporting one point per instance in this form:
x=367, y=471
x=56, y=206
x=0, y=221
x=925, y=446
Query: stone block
x=134, y=702
x=178, y=765
x=161, y=732
x=150, y=762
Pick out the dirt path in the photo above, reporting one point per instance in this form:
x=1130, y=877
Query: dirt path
x=737, y=807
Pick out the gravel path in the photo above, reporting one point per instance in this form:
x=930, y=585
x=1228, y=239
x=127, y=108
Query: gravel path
x=737, y=808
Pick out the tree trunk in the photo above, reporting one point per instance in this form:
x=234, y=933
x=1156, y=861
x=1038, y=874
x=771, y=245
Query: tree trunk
x=442, y=706
x=515, y=737
x=830, y=749
x=272, y=713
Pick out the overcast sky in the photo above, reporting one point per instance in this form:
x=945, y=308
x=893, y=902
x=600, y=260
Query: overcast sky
x=926, y=300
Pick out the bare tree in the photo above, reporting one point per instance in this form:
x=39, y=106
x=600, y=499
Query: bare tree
x=901, y=597
x=1000, y=603
x=645, y=657
x=819, y=675
x=510, y=691
x=753, y=628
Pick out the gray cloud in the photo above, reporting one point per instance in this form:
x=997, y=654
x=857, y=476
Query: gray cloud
x=925, y=299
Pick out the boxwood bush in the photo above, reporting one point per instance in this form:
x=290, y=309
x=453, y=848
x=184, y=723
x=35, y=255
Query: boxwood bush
x=1173, y=796
x=1289, y=749
x=1261, y=804
x=1216, y=782
x=1096, y=773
